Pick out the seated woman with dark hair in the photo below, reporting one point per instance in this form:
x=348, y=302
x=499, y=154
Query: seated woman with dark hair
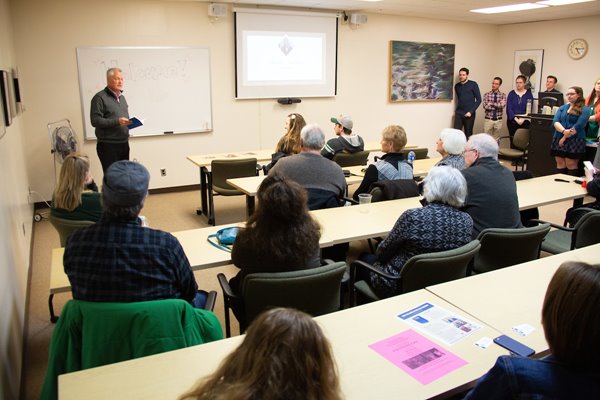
x=76, y=197
x=438, y=226
x=280, y=236
x=391, y=165
x=285, y=355
x=572, y=329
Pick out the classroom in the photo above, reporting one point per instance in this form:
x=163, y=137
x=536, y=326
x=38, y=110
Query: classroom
x=40, y=38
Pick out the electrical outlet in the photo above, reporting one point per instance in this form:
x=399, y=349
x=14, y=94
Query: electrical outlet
x=163, y=172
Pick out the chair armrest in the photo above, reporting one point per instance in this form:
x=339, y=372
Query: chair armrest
x=553, y=225
x=211, y=299
x=361, y=264
x=349, y=200
x=227, y=291
x=327, y=261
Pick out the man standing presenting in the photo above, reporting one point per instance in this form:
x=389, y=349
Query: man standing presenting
x=551, y=84
x=468, y=99
x=345, y=141
x=494, y=102
x=119, y=260
x=110, y=116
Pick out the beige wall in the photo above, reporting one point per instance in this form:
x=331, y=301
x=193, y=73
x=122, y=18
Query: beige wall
x=15, y=231
x=40, y=37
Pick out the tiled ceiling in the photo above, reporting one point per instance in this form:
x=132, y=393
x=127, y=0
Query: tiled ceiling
x=452, y=10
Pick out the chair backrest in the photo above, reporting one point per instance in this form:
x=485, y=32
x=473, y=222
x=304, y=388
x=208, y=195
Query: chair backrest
x=433, y=268
x=505, y=247
x=420, y=152
x=91, y=334
x=315, y=291
x=319, y=199
x=65, y=227
x=521, y=139
x=587, y=230
x=221, y=170
x=393, y=189
x=344, y=159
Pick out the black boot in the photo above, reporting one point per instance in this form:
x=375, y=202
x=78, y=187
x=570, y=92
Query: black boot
x=574, y=172
x=562, y=171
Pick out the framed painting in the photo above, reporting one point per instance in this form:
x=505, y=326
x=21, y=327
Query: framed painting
x=421, y=71
x=529, y=63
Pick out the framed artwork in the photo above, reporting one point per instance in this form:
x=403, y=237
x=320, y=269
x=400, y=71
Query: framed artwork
x=5, y=95
x=529, y=63
x=421, y=71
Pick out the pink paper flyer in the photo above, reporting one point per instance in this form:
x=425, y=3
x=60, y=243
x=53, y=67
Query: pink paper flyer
x=419, y=357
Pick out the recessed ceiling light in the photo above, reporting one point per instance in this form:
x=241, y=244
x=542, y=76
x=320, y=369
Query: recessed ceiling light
x=562, y=2
x=510, y=8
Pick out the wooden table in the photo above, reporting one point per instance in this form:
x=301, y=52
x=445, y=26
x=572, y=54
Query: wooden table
x=203, y=161
x=546, y=190
x=363, y=373
x=512, y=296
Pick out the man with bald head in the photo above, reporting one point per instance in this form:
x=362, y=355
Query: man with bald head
x=109, y=114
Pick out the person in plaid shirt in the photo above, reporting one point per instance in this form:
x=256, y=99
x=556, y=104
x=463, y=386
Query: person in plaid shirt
x=494, y=102
x=120, y=260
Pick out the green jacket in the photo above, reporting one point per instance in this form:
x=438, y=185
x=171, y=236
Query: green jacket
x=91, y=334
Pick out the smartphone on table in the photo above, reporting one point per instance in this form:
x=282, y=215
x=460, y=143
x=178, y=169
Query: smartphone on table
x=514, y=346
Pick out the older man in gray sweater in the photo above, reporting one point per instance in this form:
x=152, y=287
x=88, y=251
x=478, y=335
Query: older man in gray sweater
x=322, y=178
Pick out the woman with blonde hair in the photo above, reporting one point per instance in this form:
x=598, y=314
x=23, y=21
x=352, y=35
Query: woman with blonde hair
x=290, y=141
x=391, y=165
x=285, y=355
x=76, y=197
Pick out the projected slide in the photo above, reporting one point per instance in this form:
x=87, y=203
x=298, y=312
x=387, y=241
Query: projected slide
x=282, y=53
x=275, y=58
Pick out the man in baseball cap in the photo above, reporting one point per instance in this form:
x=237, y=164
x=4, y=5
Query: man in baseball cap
x=346, y=141
x=119, y=260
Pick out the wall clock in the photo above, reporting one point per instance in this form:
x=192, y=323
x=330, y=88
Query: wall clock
x=577, y=49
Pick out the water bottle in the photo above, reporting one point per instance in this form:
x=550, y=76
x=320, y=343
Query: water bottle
x=411, y=156
x=528, y=109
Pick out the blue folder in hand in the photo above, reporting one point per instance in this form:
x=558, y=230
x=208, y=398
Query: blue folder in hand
x=135, y=123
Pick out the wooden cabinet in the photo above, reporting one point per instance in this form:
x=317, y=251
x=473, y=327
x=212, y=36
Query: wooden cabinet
x=539, y=160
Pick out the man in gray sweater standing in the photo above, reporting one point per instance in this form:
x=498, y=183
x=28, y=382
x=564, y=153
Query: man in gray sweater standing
x=110, y=116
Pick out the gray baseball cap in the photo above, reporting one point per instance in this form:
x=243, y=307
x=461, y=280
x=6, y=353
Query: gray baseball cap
x=344, y=121
x=125, y=183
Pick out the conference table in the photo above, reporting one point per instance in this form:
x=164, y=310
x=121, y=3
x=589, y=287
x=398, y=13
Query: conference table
x=203, y=161
x=363, y=372
x=338, y=225
x=249, y=185
x=512, y=296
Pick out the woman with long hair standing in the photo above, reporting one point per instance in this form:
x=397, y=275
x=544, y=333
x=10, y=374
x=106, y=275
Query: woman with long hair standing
x=568, y=143
x=593, y=102
x=284, y=356
x=76, y=197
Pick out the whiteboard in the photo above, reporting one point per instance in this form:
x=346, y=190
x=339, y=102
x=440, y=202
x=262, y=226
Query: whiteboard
x=167, y=87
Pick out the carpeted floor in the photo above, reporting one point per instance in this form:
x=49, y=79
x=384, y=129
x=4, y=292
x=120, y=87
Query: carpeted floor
x=170, y=212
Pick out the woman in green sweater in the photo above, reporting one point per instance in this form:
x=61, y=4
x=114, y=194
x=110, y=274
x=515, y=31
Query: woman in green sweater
x=76, y=197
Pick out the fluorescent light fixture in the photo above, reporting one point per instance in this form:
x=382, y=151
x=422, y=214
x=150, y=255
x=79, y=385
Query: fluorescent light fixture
x=561, y=2
x=510, y=8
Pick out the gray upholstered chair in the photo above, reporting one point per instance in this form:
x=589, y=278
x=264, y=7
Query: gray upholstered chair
x=420, y=152
x=419, y=271
x=344, y=159
x=585, y=231
x=220, y=171
x=518, y=149
x=505, y=247
x=65, y=227
x=315, y=291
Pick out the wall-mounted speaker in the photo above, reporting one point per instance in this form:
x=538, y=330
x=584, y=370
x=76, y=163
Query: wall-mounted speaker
x=217, y=10
x=358, y=19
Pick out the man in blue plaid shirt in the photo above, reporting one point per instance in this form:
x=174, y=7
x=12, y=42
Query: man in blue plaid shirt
x=118, y=259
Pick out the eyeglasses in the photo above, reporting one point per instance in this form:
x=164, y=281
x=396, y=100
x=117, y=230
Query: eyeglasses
x=466, y=151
